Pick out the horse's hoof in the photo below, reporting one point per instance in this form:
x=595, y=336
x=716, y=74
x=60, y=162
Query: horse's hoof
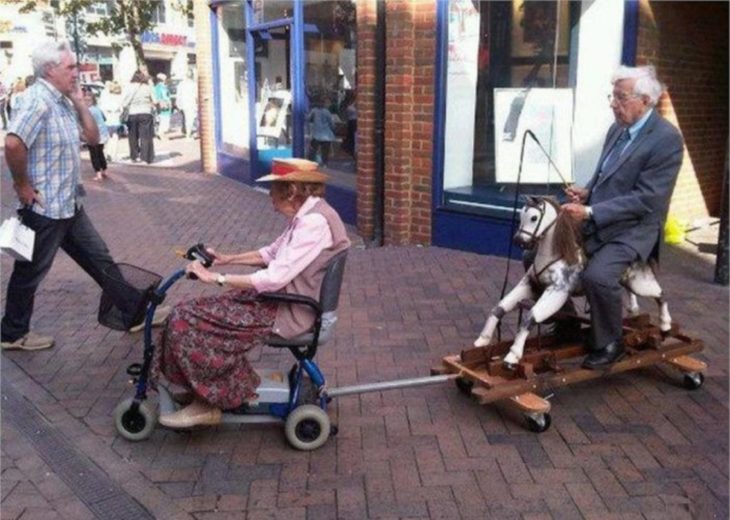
x=509, y=366
x=666, y=333
x=481, y=342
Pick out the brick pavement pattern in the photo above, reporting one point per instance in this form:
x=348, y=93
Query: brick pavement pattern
x=636, y=445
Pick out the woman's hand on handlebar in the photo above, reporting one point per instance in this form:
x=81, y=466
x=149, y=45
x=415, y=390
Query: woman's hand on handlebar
x=196, y=270
x=219, y=258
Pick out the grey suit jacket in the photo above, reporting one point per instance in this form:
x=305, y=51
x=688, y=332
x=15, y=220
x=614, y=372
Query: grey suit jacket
x=631, y=199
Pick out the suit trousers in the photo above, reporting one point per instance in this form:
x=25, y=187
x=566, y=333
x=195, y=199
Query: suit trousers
x=77, y=237
x=601, y=284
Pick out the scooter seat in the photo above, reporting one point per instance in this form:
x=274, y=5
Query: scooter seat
x=306, y=339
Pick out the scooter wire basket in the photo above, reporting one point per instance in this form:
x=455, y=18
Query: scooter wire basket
x=126, y=292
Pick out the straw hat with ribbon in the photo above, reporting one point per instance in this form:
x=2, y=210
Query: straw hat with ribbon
x=294, y=170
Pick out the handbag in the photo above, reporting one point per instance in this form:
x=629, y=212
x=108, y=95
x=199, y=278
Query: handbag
x=17, y=239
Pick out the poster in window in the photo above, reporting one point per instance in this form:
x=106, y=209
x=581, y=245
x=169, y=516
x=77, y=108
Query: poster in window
x=548, y=113
x=273, y=118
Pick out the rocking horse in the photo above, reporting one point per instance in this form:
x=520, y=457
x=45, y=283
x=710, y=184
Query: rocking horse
x=515, y=372
x=554, y=275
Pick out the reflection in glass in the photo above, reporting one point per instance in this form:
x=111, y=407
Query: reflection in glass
x=233, y=80
x=330, y=41
x=269, y=10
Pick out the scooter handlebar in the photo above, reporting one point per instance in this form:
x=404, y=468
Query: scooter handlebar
x=200, y=253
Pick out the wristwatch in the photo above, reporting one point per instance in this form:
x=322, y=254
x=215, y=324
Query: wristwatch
x=220, y=279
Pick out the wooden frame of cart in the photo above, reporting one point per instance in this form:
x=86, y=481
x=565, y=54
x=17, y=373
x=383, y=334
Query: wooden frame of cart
x=549, y=364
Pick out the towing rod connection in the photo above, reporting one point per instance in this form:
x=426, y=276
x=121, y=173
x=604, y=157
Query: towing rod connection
x=391, y=385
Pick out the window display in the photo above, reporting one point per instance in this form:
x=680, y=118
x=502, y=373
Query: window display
x=522, y=45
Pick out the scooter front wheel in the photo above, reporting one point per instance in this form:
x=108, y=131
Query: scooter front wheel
x=307, y=427
x=134, y=424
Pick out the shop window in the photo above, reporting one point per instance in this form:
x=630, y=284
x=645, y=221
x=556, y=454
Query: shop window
x=233, y=85
x=509, y=63
x=273, y=89
x=330, y=42
x=98, y=8
x=267, y=11
x=158, y=15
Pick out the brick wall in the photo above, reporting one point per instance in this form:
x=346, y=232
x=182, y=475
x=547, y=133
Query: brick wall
x=410, y=51
x=688, y=43
x=366, y=22
x=204, y=50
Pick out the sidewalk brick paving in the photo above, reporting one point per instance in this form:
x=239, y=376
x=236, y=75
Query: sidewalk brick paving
x=636, y=445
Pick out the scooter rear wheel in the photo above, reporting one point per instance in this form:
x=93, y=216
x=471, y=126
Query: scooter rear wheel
x=307, y=427
x=134, y=425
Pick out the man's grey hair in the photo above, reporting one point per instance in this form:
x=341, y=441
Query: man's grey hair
x=646, y=84
x=48, y=53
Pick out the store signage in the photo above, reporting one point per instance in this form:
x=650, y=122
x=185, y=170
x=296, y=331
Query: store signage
x=174, y=40
x=7, y=26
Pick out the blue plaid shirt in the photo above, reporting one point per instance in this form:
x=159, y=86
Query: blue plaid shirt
x=48, y=125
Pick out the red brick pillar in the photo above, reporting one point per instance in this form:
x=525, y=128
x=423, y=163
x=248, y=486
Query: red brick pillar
x=366, y=22
x=204, y=51
x=687, y=42
x=410, y=51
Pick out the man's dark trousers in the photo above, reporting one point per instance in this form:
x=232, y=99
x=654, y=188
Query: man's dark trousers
x=604, y=292
x=77, y=237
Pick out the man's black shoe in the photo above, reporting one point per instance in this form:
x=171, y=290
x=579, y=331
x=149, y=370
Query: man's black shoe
x=612, y=353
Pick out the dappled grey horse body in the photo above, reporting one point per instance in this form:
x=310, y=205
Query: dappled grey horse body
x=555, y=275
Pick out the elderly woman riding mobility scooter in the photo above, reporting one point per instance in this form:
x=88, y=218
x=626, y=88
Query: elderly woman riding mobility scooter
x=202, y=348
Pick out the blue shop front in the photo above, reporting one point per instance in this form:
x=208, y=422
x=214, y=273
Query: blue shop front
x=520, y=99
x=274, y=63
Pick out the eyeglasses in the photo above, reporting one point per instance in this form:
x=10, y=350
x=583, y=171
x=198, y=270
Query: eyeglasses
x=621, y=98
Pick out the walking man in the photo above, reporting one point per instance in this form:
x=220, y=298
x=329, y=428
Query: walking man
x=42, y=152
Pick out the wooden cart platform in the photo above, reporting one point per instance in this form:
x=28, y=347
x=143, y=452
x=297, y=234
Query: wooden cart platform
x=548, y=364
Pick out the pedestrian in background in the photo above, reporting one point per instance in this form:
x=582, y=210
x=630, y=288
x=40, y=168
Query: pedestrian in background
x=141, y=104
x=187, y=102
x=15, y=99
x=110, y=103
x=3, y=103
x=322, y=129
x=164, y=103
x=96, y=151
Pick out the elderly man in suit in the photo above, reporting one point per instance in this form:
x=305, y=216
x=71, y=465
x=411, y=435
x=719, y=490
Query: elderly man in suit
x=624, y=205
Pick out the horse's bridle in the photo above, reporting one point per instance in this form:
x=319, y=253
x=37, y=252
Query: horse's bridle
x=533, y=237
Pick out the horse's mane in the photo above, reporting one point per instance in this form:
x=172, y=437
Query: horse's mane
x=567, y=237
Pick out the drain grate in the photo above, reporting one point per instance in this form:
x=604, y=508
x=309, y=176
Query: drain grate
x=89, y=483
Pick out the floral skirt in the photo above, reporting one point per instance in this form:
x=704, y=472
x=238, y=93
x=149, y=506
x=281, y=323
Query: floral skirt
x=203, y=346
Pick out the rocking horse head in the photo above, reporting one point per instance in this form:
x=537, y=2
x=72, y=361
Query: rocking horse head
x=537, y=217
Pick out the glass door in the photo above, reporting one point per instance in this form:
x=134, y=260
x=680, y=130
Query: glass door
x=271, y=99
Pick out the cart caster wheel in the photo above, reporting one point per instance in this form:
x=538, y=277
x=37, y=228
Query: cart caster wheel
x=538, y=423
x=134, y=425
x=464, y=385
x=307, y=427
x=693, y=380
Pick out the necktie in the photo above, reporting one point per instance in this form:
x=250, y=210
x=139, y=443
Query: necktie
x=616, y=151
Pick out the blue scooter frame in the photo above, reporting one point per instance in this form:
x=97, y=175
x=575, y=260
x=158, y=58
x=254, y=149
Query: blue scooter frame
x=282, y=399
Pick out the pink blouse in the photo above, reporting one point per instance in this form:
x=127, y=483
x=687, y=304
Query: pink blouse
x=301, y=242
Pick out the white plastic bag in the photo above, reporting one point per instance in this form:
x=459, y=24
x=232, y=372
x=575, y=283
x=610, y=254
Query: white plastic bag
x=17, y=239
